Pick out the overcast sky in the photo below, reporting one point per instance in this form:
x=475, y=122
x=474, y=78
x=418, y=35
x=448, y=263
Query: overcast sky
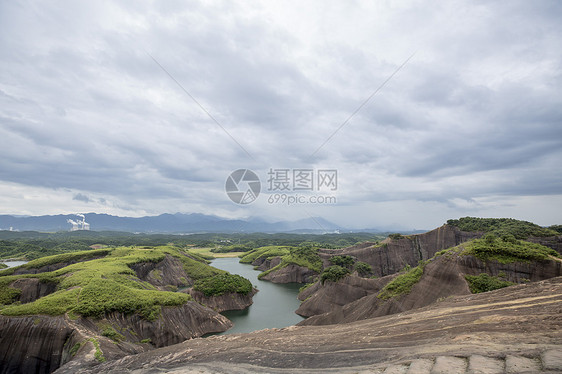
x=141, y=108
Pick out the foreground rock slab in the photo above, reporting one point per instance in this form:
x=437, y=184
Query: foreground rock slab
x=515, y=329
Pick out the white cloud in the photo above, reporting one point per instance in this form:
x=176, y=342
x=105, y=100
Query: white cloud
x=472, y=118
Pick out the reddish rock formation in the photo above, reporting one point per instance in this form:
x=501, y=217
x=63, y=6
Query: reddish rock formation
x=319, y=299
x=391, y=256
x=443, y=277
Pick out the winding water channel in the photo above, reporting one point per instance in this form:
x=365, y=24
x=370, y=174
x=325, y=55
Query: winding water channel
x=274, y=305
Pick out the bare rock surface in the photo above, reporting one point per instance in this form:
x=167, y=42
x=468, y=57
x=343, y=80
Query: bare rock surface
x=291, y=274
x=168, y=272
x=33, y=344
x=32, y=289
x=319, y=299
x=515, y=328
x=228, y=301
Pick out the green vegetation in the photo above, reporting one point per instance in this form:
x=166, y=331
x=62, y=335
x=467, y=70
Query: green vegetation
x=557, y=228
x=402, y=284
x=102, y=281
x=99, y=354
x=395, y=236
x=223, y=283
x=146, y=341
x=507, y=249
x=502, y=226
x=75, y=348
x=29, y=245
x=343, y=261
x=3, y=266
x=304, y=256
x=363, y=269
x=485, y=283
x=110, y=332
x=267, y=252
x=308, y=285
x=8, y=294
x=333, y=273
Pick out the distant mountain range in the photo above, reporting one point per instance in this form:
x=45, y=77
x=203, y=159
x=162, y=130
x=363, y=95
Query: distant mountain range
x=165, y=223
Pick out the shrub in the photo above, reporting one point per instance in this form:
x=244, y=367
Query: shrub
x=501, y=226
x=343, y=261
x=395, y=236
x=333, y=273
x=485, y=283
x=8, y=294
x=508, y=250
x=363, y=269
x=110, y=332
x=557, y=228
x=75, y=348
x=223, y=283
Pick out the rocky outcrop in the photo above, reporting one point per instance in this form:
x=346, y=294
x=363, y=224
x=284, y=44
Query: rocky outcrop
x=392, y=255
x=291, y=274
x=174, y=325
x=221, y=303
x=35, y=344
x=323, y=298
x=168, y=272
x=264, y=264
x=517, y=272
x=443, y=277
x=40, y=344
x=33, y=288
x=515, y=329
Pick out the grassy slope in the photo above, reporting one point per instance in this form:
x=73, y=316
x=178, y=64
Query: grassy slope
x=98, y=285
x=301, y=256
x=267, y=252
